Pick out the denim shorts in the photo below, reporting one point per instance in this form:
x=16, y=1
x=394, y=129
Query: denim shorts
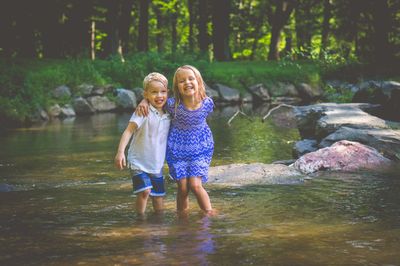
x=142, y=181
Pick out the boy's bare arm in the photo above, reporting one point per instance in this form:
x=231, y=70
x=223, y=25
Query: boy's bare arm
x=120, y=159
x=143, y=108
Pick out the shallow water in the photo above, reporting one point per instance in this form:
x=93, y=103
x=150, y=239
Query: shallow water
x=71, y=206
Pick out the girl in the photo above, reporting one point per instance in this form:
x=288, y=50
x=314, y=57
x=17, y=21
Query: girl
x=190, y=144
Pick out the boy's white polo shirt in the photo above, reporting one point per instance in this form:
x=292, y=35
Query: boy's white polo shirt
x=149, y=142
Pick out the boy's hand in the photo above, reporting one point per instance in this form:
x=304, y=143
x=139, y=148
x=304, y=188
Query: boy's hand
x=120, y=161
x=143, y=108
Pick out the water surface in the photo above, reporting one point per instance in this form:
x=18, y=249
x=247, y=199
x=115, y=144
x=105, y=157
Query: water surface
x=71, y=206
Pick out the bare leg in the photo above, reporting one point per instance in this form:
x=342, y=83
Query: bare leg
x=158, y=204
x=141, y=201
x=182, y=198
x=201, y=194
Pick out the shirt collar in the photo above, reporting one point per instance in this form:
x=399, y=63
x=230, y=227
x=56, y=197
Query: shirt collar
x=155, y=111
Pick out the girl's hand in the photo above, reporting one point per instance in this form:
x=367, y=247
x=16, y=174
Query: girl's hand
x=143, y=108
x=119, y=160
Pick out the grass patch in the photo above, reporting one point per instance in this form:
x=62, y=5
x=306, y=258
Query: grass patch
x=26, y=85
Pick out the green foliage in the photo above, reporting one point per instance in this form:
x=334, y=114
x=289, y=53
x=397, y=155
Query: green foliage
x=338, y=95
x=242, y=74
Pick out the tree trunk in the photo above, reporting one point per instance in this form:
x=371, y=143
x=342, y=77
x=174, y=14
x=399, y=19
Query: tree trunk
x=159, y=34
x=325, y=26
x=52, y=30
x=382, y=25
x=77, y=37
x=124, y=25
x=174, y=33
x=113, y=34
x=143, y=40
x=192, y=18
x=203, y=38
x=278, y=21
x=220, y=18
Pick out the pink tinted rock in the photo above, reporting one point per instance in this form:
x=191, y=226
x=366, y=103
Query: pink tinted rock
x=342, y=156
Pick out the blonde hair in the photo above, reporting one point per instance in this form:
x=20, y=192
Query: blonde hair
x=155, y=76
x=202, y=87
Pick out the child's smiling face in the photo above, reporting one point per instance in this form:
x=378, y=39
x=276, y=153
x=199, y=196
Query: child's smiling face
x=156, y=94
x=187, y=83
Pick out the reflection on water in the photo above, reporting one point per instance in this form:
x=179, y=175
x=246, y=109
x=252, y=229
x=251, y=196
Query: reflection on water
x=70, y=206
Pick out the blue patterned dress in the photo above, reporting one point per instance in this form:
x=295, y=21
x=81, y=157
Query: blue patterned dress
x=190, y=143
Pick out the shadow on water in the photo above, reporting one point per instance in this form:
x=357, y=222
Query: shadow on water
x=67, y=205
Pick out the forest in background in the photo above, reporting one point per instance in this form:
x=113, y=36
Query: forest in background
x=47, y=43
x=367, y=30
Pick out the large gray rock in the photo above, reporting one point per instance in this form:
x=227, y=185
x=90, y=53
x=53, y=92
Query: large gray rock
x=213, y=94
x=355, y=118
x=342, y=156
x=304, y=146
x=126, y=99
x=253, y=174
x=308, y=116
x=85, y=89
x=259, y=93
x=308, y=93
x=67, y=111
x=283, y=89
x=81, y=106
x=386, y=141
x=54, y=110
x=227, y=94
x=101, y=103
x=139, y=94
x=102, y=90
x=62, y=92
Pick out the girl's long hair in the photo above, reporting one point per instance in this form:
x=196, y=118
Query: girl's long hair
x=202, y=87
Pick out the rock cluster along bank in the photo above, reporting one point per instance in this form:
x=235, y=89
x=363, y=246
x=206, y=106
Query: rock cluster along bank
x=360, y=140
x=88, y=99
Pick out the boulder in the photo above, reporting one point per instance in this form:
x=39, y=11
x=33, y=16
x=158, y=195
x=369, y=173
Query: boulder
x=126, y=99
x=283, y=89
x=304, y=146
x=213, y=94
x=62, y=92
x=342, y=156
x=308, y=93
x=350, y=117
x=259, y=93
x=386, y=141
x=227, y=94
x=139, y=94
x=253, y=174
x=54, y=110
x=308, y=116
x=85, y=89
x=67, y=111
x=246, y=97
x=81, y=106
x=101, y=103
x=101, y=90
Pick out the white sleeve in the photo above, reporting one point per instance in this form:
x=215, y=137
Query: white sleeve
x=138, y=120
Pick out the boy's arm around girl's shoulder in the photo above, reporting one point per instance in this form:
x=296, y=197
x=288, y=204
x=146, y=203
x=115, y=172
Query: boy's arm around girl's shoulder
x=120, y=159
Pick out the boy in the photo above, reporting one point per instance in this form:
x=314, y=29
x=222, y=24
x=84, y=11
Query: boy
x=146, y=153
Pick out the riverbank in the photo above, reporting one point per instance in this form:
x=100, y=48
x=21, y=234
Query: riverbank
x=27, y=86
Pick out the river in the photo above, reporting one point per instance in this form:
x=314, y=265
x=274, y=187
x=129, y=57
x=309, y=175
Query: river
x=70, y=206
